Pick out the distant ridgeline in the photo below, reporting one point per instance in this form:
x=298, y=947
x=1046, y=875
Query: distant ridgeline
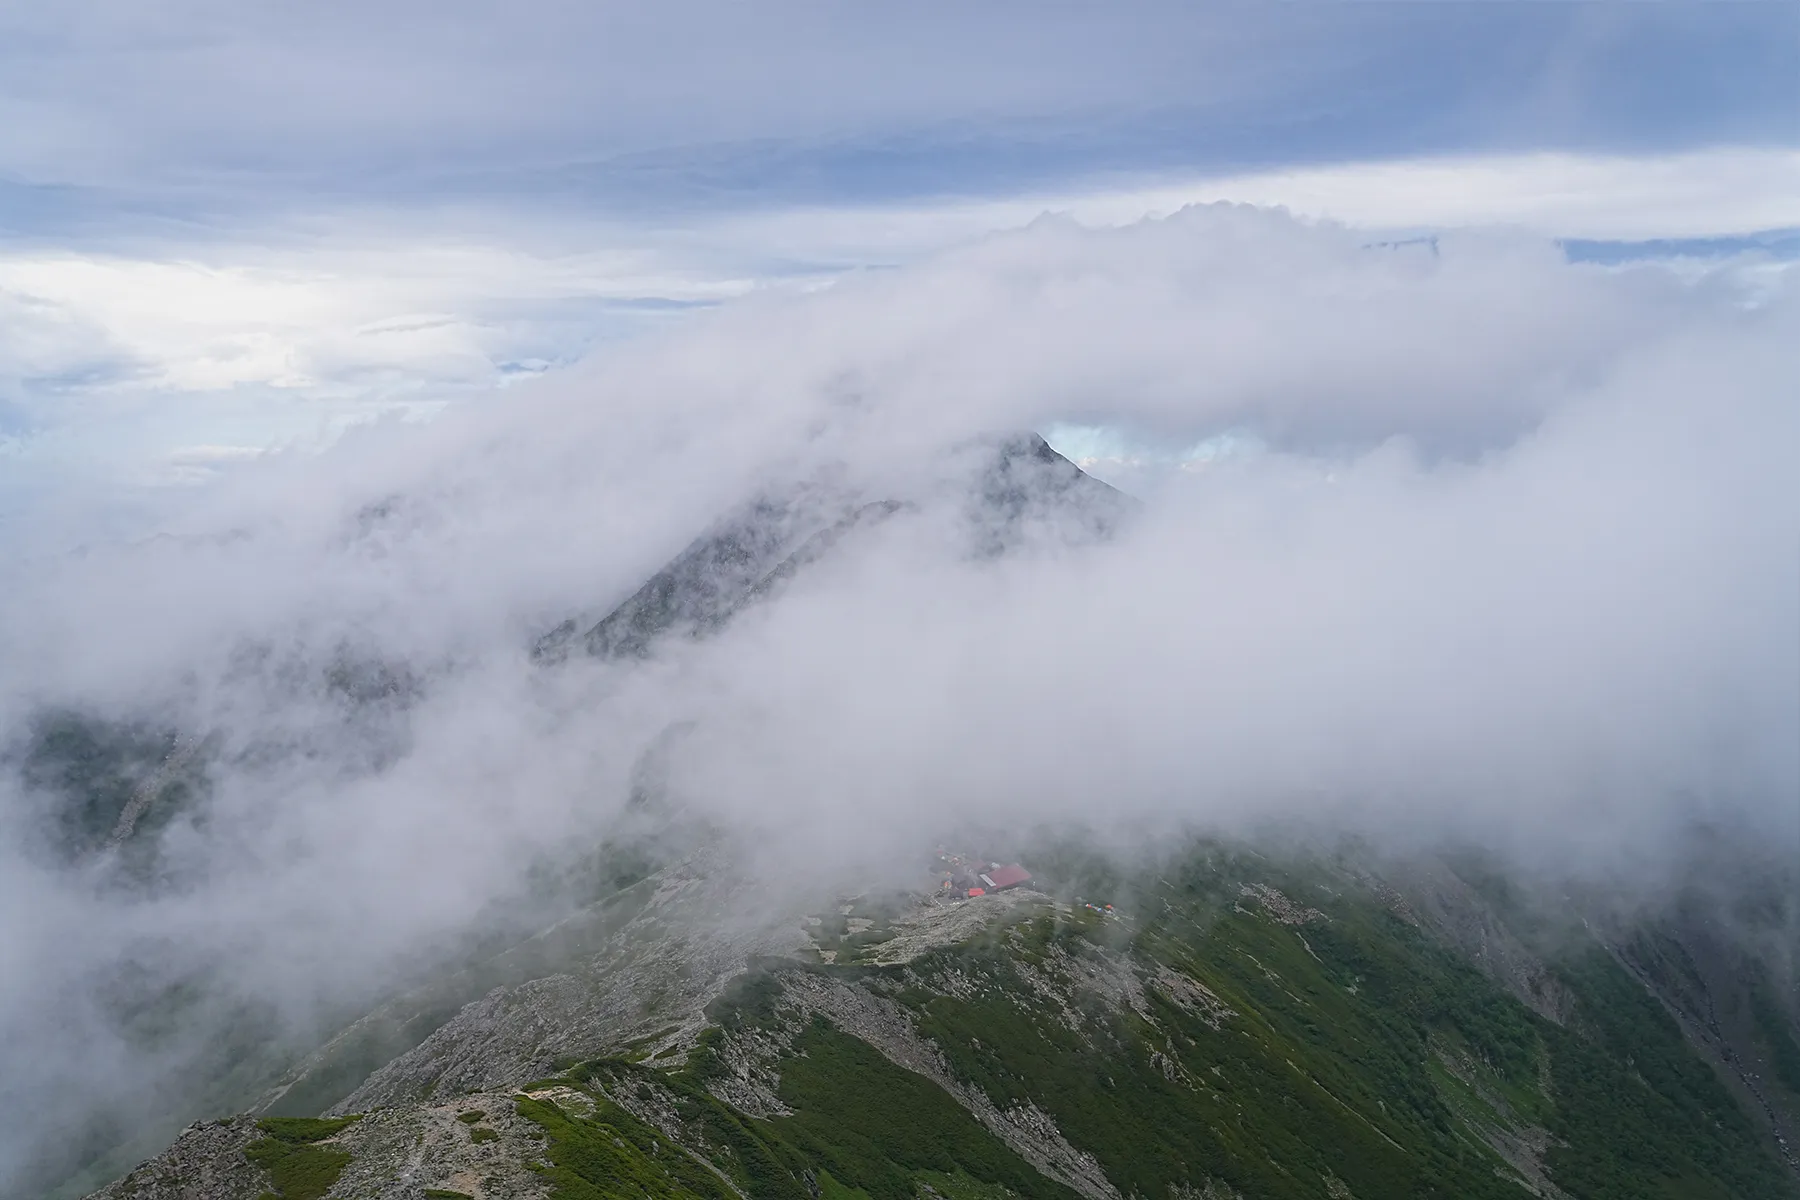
x=749, y=555
x=106, y=785
x=1214, y=1023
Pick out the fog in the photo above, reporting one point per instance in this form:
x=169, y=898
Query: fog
x=1509, y=552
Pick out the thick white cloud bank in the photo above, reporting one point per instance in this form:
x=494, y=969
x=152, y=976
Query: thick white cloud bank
x=156, y=361
x=1517, y=559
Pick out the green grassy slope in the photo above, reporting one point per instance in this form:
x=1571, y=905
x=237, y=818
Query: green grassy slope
x=1359, y=1055
x=1236, y=1029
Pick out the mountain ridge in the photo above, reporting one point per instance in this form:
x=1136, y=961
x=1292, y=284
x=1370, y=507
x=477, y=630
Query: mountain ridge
x=1298, y=990
x=1203, y=1019
x=749, y=554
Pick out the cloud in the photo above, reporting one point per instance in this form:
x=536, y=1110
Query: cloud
x=224, y=224
x=1509, y=555
x=285, y=336
x=115, y=362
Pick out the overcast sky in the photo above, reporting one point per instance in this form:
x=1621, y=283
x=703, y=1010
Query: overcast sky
x=699, y=102
x=230, y=226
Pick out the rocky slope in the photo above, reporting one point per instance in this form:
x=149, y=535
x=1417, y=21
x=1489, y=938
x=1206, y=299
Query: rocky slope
x=1236, y=1026
x=1023, y=487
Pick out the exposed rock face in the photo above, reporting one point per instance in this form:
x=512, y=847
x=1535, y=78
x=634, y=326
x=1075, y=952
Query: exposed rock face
x=1025, y=487
x=402, y=1152
x=1030, y=486
x=1432, y=894
x=396, y=1153
x=1279, y=906
x=704, y=584
x=1731, y=1008
x=206, y=1163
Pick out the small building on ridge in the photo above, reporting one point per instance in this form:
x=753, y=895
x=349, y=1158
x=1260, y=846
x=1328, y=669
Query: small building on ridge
x=1000, y=878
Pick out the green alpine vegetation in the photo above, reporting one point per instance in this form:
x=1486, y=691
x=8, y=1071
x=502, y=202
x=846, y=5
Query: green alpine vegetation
x=611, y=1153
x=1221, y=1026
x=883, y=1130
x=299, y=1169
x=1235, y=1036
x=872, y=1129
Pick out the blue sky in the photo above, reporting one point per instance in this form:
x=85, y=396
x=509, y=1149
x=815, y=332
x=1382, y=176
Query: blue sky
x=225, y=227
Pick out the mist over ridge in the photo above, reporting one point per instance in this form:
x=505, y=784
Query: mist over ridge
x=1514, y=563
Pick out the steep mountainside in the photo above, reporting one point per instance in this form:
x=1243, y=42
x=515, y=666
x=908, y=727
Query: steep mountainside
x=748, y=555
x=1234, y=1026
